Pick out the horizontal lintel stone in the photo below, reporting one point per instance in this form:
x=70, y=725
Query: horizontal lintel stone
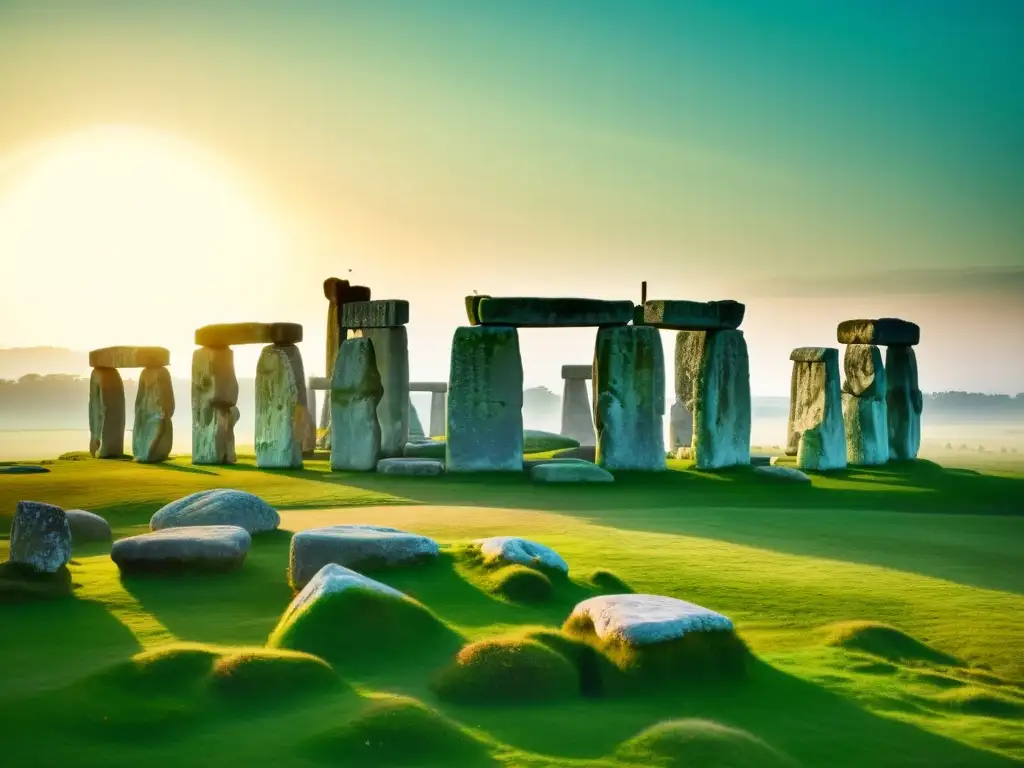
x=814, y=354
x=726, y=315
x=229, y=334
x=342, y=292
x=543, y=312
x=382, y=313
x=885, y=331
x=428, y=386
x=129, y=357
x=578, y=371
x=319, y=383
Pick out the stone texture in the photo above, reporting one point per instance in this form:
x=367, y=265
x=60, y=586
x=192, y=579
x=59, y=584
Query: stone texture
x=357, y=547
x=383, y=313
x=391, y=351
x=689, y=355
x=153, y=432
x=319, y=383
x=437, y=387
x=577, y=414
x=513, y=549
x=812, y=354
x=816, y=434
x=129, y=357
x=647, y=619
x=338, y=293
x=438, y=413
x=885, y=331
x=40, y=537
x=570, y=471
x=485, y=401
x=228, y=334
x=584, y=372
x=214, y=415
x=415, y=425
x=330, y=579
x=789, y=474
x=721, y=398
x=694, y=315
x=904, y=403
x=865, y=413
x=410, y=467
x=204, y=548
x=106, y=414
x=355, y=395
x=542, y=312
x=627, y=417
x=680, y=427
x=218, y=506
x=280, y=408
x=86, y=526
x=473, y=308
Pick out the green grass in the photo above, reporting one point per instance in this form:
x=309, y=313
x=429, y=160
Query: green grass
x=882, y=609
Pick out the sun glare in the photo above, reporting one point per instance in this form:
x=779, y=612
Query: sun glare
x=118, y=235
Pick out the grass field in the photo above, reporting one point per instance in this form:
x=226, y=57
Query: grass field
x=885, y=610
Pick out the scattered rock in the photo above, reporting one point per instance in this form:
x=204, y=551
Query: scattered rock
x=40, y=537
x=22, y=469
x=280, y=408
x=355, y=546
x=513, y=549
x=410, y=467
x=229, y=334
x=647, y=619
x=355, y=394
x=694, y=315
x=129, y=357
x=86, y=526
x=382, y=313
x=153, y=431
x=215, y=548
x=391, y=353
x=885, y=331
x=106, y=414
x=571, y=471
x=783, y=473
x=218, y=507
x=542, y=312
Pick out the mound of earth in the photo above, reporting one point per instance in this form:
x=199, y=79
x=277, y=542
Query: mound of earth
x=886, y=642
x=692, y=742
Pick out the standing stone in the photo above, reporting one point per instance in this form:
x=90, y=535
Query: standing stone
x=721, y=398
x=280, y=407
x=391, y=350
x=338, y=293
x=627, y=415
x=106, y=414
x=356, y=392
x=577, y=419
x=153, y=432
x=438, y=403
x=40, y=536
x=816, y=430
x=415, y=425
x=485, y=401
x=904, y=403
x=864, y=407
x=689, y=354
x=214, y=411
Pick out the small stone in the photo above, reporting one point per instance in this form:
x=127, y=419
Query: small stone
x=217, y=548
x=790, y=474
x=230, y=334
x=647, y=619
x=542, y=312
x=217, y=507
x=86, y=526
x=355, y=394
x=355, y=546
x=885, y=331
x=694, y=315
x=129, y=357
x=281, y=422
x=330, y=579
x=382, y=313
x=153, y=431
x=572, y=471
x=40, y=537
x=584, y=372
x=513, y=549
x=410, y=467
x=106, y=414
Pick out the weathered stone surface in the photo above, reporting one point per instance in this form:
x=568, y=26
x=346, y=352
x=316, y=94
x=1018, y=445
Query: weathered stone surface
x=382, y=313
x=428, y=386
x=330, y=579
x=280, y=408
x=391, y=351
x=815, y=433
x=338, y=293
x=214, y=415
x=355, y=396
x=438, y=413
x=904, y=403
x=865, y=413
x=721, y=398
x=584, y=372
x=542, y=312
x=473, y=308
x=789, y=474
x=40, y=537
x=885, y=331
x=309, y=435
x=410, y=467
x=415, y=425
x=319, y=383
x=694, y=315
x=577, y=414
x=129, y=357
x=485, y=401
x=647, y=619
x=153, y=432
x=342, y=291
x=87, y=526
x=689, y=356
x=627, y=417
x=228, y=334
x=513, y=549
x=812, y=354
x=680, y=427
x=106, y=413
x=570, y=471
x=865, y=373
x=219, y=506
x=355, y=546
x=205, y=548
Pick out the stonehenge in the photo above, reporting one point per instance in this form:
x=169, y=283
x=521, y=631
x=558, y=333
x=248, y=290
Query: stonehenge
x=438, y=403
x=577, y=415
x=152, y=432
x=815, y=432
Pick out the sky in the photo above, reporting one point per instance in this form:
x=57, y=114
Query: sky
x=167, y=165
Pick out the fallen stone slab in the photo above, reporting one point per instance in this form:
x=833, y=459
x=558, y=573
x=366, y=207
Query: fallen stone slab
x=885, y=332
x=571, y=471
x=217, y=507
x=214, y=548
x=380, y=313
x=428, y=386
x=790, y=474
x=647, y=619
x=585, y=372
x=40, y=537
x=87, y=526
x=129, y=357
x=513, y=549
x=694, y=315
x=559, y=458
x=410, y=467
x=230, y=334
x=22, y=469
x=541, y=312
x=355, y=546
x=355, y=394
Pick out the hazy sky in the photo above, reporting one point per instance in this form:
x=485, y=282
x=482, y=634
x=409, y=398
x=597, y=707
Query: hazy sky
x=165, y=165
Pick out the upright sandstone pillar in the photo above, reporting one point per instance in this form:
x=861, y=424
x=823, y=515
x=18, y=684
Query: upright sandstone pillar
x=904, y=402
x=106, y=413
x=356, y=392
x=689, y=354
x=438, y=405
x=577, y=413
x=864, y=407
x=391, y=348
x=721, y=397
x=415, y=425
x=214, y=405
x=627, y=415
x=815, y=431
x=153, y=431
x=280, y=407
x=485, y=401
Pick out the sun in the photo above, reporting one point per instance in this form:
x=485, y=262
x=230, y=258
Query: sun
x=120, y=235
